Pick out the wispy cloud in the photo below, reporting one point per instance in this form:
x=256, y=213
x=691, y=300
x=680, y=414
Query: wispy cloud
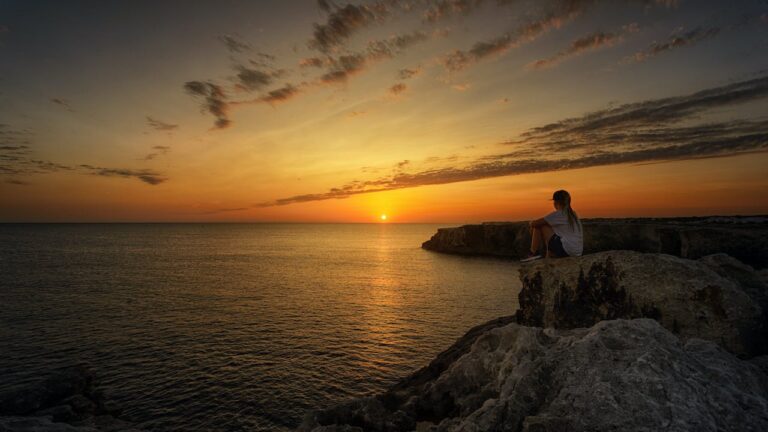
x=213, y=100
x=335, y=69
x=458, y=60
x=161, y=125
x=158, y=150
x=62, y=103
x=17, y=159
x=648, y=131
x=147, y=176
x=281, y=94
x=315, y=62
x=407, y=73
x=234, y=44
x=342, y=22
x=398, y=89
x=581, y=45
x=251, y=79
x=442, y=9
x=674, y=42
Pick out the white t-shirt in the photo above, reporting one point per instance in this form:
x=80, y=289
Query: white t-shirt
x=572, y=238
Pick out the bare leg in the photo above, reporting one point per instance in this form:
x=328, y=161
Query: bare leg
x=535, y=239
x=546, y=234
x=540, y=236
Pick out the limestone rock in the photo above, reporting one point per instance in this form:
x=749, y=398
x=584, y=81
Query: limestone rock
x=743, y=238
x=689, y=298
x=630, y=375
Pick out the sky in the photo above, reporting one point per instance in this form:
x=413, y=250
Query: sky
x=445, y=111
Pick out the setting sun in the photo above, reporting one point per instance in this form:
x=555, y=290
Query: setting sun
x=383, y=217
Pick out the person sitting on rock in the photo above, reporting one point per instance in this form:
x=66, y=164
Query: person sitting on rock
x=560, y=232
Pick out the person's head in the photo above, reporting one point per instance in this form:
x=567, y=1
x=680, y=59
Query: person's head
x=562, y=201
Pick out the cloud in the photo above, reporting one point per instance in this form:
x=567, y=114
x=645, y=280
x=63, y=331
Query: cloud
x=17, y=160
x=17, y=182
x=234, y=44
x=253, y=79
x=214, y=101
x=442, y=9
x=342, y=67
x=315, y=62
x=651, y=113
x=224, y=210
x=458, y=60
x=158, y=150
x=398, y=89
x=341, y=24
x=586, y=43
x=160, y=125
x=649, y=131
x=676, y=41
x=147, y=176
x=405, y=74
x=63, y=103
x=281, y=95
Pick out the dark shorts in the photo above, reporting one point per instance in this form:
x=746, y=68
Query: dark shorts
x=555, y=246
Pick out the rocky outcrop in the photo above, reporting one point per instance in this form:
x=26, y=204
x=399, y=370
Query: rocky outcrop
x=715, y=298
x=745, y=238
x=68, y=400
x=631, y=375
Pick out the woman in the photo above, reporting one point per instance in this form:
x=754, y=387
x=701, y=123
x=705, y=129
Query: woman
x=560, y=231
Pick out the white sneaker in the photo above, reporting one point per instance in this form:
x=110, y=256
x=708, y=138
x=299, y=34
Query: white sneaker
x=531, y=257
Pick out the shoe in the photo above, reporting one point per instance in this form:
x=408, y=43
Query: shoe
x=531, y=257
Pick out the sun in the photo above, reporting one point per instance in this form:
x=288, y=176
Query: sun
x=383, y=217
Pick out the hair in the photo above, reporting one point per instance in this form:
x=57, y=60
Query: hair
x=563, y=198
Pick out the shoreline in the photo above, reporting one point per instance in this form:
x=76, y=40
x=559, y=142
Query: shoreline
x=570, y=358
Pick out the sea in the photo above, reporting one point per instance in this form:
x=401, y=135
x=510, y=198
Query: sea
x=228, y=327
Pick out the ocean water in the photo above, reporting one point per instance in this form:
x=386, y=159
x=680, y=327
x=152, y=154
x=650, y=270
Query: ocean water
x=222, y=327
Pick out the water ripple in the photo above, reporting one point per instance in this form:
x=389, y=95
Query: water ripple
x=236, y=327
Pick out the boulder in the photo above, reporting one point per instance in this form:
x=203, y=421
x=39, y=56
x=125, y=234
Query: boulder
x=745, y=238
x=67, y=400
x=716, y=298
x=630, y=375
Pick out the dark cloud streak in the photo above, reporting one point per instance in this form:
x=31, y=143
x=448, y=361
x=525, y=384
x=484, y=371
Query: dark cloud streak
x=644, y=132
x=214, y=100
x=677, y=41
x=161, y=125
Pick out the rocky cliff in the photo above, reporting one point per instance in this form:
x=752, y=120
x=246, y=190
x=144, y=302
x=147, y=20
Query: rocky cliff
x=715, y=298
x=629, y=375
x=745, y=238
x=617, y=340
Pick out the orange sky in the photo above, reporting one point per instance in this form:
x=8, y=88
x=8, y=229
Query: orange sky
x=268, y=111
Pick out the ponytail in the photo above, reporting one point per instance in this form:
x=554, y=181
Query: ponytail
x=564, y=198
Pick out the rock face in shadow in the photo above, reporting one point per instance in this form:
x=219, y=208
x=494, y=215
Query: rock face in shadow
x=745, y=238
x=715, y=298
x=631, y=375
x=68, y=400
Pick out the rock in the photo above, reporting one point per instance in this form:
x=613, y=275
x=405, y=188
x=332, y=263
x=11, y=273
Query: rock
x=38, y=424
x=59, y=413
x=64, y=383
x=753, y=283
x=761, y=362
x=744, y=238
x=68, y=400
x=631, y=375
x=689, y=298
